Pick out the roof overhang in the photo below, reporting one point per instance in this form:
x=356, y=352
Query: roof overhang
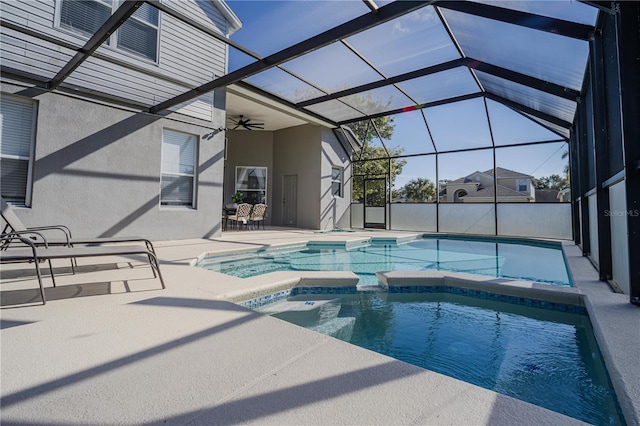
x=275, y=115
x=234, y=22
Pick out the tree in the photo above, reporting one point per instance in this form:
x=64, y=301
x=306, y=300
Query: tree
x=373, y=161
x=565, y=154
x=378, y=166
x=552, y=182
x=419, y=190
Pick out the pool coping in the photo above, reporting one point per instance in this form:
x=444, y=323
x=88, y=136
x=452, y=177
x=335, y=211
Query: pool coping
x=587, y=292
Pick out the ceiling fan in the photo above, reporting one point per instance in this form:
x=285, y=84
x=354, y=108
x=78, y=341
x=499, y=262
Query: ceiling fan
x=246, y=123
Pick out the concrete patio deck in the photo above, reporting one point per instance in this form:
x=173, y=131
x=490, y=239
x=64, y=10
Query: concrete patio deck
x=132, y=353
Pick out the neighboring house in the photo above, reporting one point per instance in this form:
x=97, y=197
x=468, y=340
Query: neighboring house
x=86, y=153
x=478, y=187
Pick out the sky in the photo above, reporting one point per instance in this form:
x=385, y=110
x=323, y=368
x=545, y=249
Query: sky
x=453, y=126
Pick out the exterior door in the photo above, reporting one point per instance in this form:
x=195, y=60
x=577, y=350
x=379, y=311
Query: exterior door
x=375, y=203
x=290, y=200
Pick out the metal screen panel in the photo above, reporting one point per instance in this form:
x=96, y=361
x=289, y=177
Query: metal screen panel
x=509, y=127
x=567, y=10
x=442, y=85
x=539, y=54
x=280, y=83
x=410, y=134
x=527, y=96
x=379, y=100
x=460, y=125
x=332, y=68
x=410, y=42
x=335, y=110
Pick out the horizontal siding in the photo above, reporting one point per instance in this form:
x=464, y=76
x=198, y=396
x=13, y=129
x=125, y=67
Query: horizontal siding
x=32, y=14
x=202, y=11
x=131, y=84
x=180, y=45
x=186, y=54
x=24, y=54
x=137, y=87
x=201, y=107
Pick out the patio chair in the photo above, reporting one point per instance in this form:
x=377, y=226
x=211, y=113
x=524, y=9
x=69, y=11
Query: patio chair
x=258, y=214
x=242, y=214
x=30, y=252
x=13, y=224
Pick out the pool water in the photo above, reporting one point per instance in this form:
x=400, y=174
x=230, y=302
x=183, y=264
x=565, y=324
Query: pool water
x=545, y=357
x=537, y=263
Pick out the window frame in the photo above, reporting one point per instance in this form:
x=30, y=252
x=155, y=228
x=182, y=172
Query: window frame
x=266, y=183
x=524, y=182
x=112, y=42
x=32, y=147
x=339, y=181
x=194, y=175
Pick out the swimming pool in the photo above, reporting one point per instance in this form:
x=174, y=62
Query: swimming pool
x=545, y=357
x=536, y=262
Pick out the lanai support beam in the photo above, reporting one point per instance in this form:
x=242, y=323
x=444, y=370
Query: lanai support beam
x=525, y=80
x=417, y=107
x=516, y=77
x=583, y=177
x=601, y=142
x=518, y=106
x=524, y=19
x=359, y=24
x=387, y=81
x=627, y=17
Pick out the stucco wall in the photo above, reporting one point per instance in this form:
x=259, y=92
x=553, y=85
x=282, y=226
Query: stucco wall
x=97, y=170
x=334, y=210
x=296, y=151
x=593, y=230
x=249, y=148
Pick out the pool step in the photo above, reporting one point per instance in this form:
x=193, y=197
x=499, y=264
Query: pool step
x=340, y=328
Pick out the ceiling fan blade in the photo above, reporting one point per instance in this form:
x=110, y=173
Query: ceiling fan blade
x=245, y=123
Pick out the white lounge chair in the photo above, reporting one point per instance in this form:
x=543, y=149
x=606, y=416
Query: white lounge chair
x=13, y=224
x=37, y=253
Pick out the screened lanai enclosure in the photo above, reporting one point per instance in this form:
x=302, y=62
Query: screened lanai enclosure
x=508, y=118
x=436, y=102
x=492, y=118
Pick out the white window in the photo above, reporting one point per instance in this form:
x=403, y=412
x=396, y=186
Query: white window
x=178, y=169
x=138, y=34
x=522, y=185
x=251, y=182
x=336, y=182
x=17, y=124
